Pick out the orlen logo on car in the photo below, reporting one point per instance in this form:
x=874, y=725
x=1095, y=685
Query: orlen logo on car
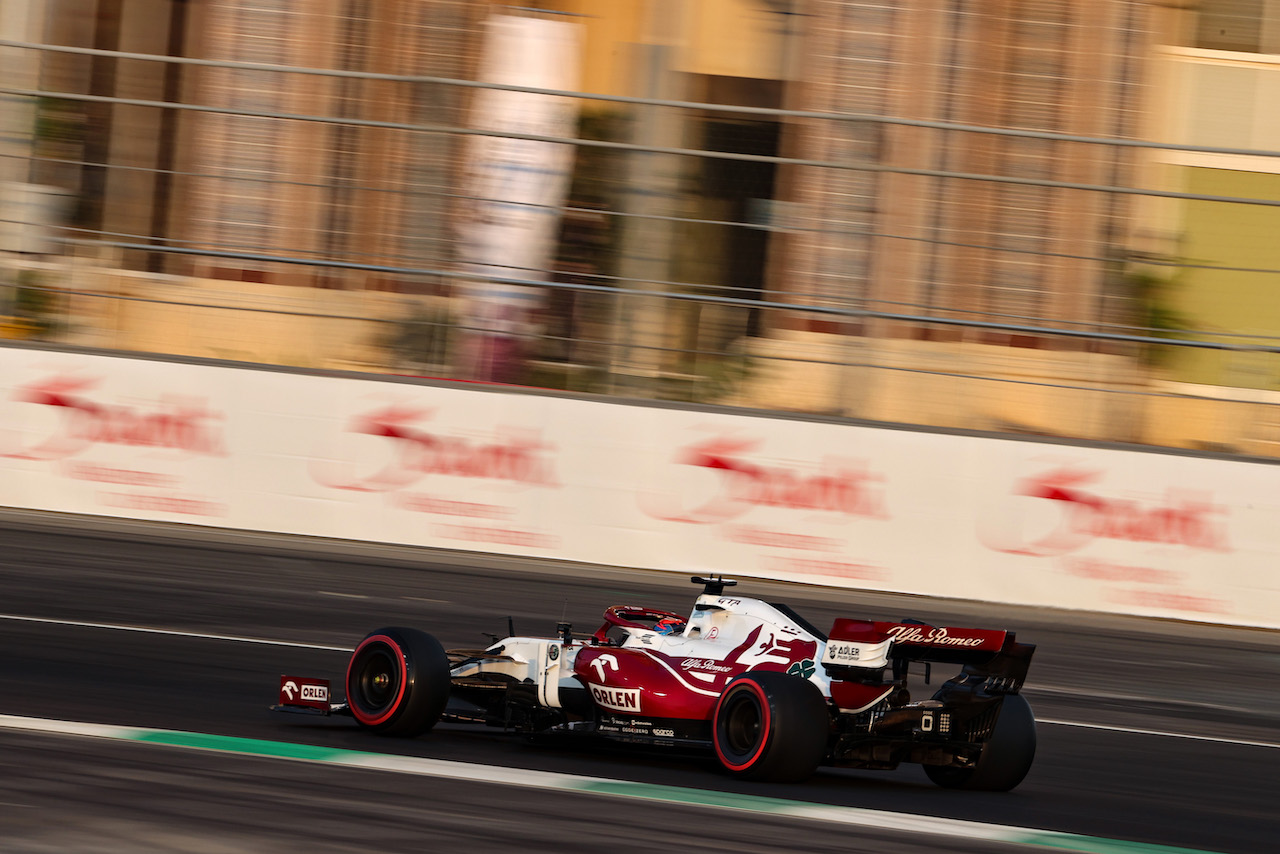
x=178, y=422
x=1081, y=516
x=843, y=487
x=315, y=693
x=618, y=699
x=415, y=452
x=302, y=691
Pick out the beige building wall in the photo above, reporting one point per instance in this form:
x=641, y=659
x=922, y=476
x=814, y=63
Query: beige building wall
x=735, y=38
x=612, y=28
x=730, y=38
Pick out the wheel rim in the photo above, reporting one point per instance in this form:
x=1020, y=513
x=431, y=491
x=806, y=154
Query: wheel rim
x=378, y=678
x=742, y=724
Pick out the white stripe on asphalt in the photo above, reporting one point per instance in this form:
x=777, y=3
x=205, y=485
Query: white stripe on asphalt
x=268, y=642
x=172, y=632
x=1160, y=733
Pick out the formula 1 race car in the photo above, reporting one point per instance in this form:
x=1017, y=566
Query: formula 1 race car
x=753, y=681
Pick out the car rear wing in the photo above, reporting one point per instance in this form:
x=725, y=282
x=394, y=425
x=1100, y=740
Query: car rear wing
x=991, y=655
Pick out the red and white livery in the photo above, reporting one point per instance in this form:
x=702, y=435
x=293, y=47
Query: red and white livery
x=769, y=693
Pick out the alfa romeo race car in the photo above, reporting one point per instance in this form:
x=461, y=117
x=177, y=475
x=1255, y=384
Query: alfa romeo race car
x=753, y=681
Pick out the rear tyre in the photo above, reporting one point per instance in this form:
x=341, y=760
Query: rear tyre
x=771, y=726
x=398, y=682
x=1005, y=759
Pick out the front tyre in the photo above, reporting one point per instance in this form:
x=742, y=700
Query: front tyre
x=1006, y=758
x=398, y=682
x=771, y=726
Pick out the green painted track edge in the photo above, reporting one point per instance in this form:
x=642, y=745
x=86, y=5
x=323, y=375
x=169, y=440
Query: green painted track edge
x=888, y=821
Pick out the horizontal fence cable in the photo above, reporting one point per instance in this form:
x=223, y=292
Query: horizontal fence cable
x=628, y=146
x=832, y=311
x=655, y=102
x=1145, y=260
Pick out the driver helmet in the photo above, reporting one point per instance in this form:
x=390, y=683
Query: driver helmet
x=669, y=626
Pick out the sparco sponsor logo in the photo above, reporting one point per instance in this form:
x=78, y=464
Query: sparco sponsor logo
x=516, y=455
x=1083, y=515
x=618, y=699
x=838, y=486
x=931, y=635
x=174, y=421
x=318, y=693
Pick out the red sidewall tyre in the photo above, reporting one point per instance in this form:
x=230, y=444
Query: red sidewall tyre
x=771, y=726
x=398, y=681
x=362, y=663
x=741, y=708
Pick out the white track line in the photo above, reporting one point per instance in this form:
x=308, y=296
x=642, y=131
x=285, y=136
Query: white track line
x=172, y=632
x=267, y=642
x=1161, y=733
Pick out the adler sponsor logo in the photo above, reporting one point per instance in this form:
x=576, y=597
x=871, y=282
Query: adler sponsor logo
x=618, y=699
x=173, y=421
x=932, y=636
x=845, y=487
x=416, y=452
x=838, y=651
x=1084, y=514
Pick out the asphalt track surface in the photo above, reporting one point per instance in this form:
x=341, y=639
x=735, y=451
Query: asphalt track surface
x=1152, y=733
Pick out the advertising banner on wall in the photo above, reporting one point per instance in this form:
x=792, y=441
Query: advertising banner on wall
x=117, y=438
x=963, y=517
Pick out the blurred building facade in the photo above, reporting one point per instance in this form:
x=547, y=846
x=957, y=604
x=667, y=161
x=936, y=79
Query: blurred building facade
x=264, y=185
x=839, y=206
x=377, y=194
x=235, y=175
x=918, y=236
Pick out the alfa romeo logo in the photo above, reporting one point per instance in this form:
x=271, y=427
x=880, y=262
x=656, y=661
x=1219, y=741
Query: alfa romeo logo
x=803, y=669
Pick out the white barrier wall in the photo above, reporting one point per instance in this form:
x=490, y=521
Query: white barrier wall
x=953, y=516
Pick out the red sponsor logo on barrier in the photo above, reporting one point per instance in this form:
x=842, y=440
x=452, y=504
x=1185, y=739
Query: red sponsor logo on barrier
x=1084, y=515
x=839, y=487
x=417, y=453
x=176, y=421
